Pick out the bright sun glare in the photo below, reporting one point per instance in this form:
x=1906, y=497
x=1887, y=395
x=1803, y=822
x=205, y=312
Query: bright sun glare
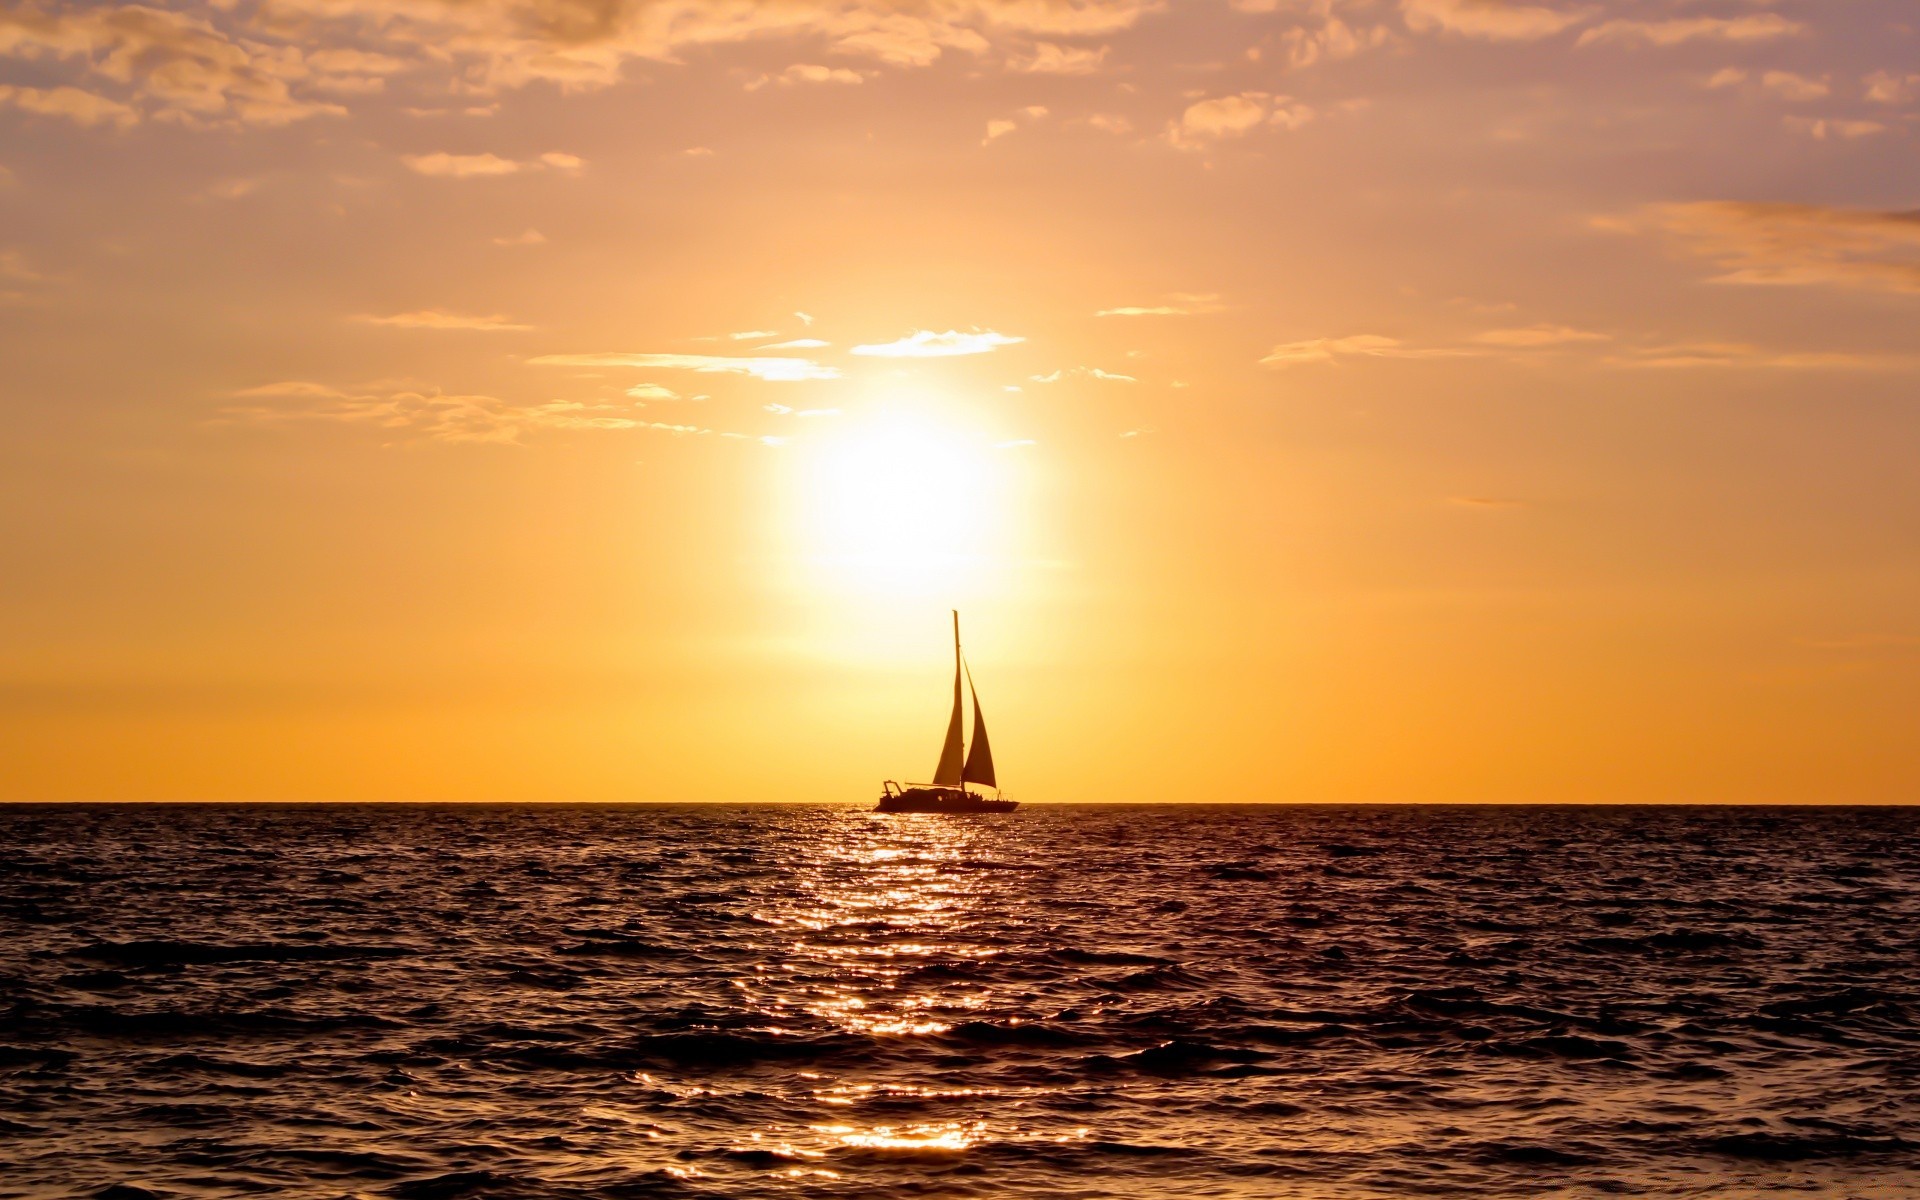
x=901, y=502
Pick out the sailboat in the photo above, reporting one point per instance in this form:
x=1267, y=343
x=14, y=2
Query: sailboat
x=959, y=764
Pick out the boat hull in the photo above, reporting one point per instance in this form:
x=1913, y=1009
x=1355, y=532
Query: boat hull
x=940, y=800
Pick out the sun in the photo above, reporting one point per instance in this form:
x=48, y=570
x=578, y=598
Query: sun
x=901, y=501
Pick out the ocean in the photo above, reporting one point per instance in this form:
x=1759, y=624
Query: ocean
x=1068, y=1001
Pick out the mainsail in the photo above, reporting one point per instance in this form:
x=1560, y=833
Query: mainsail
x=949, y=772
x=979, y=768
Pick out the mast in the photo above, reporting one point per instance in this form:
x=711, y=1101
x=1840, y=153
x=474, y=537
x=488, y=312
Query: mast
x=952, y=754
x=956, y=694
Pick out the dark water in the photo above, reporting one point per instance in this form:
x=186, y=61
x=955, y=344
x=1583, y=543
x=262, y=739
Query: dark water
x=1141, y=1002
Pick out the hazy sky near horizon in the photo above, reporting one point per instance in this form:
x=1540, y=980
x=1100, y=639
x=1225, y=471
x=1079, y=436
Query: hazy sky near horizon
x=1301, y=399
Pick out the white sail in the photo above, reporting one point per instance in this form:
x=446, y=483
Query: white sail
x=948, y=773
x=979, y=768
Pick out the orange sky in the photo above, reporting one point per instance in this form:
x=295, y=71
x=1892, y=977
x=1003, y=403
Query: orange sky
x=1318, y=400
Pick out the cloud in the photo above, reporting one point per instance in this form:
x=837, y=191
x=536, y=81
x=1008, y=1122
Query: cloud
x=1756, y=27
x=228, y=63
x=798, y=344
x=1493, y=20
x=1084, y=373
x=1884, y=87
x=1790, y=86
x=1179, y=304
x=1046, y=58
x=1519, y=345
x=1362, y=345
x=1822, y=128
x=480, y=166
x=927, y=344
x=1333, y=40
x=1741, y=355
x=1001, y=126
x=530, y=237
x=1224, y=117
x=652, y=391
x=80, y=107
x=1536, y=336
x=433, y=416
x=806, y=73
x=771, y=369
x=169, y=65
x=1797, y=245
x=493, y=44
x=752, y=335
x=434, y=318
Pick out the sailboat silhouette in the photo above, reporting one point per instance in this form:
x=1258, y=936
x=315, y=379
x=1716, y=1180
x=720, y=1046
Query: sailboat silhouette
x=959, y=766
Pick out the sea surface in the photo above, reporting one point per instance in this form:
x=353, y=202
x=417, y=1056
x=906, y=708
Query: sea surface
x=754, y=1001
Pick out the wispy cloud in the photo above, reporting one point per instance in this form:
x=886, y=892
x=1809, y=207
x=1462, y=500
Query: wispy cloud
x=1000, y=127
x=644, y=392
x=482, y=166
x=806, y=73
x=71, y=103
x=1743, y=356
x=1082, y=373
x=434, y=318
x=1790, y=86
x=928, y=344
x=1823, y=128
x=1048, y=58
x=530, y=237
x=428, y=415
x=1796, y=244
x=1537, y=335
x=1235, y=116
x=1885, y=87
x=770, y=368
x=416, y=414
x=1753, y=27
x=1492, y=20
x=1360, y=345
x=798, y=344
x=1180, y=304
x=1587, y=348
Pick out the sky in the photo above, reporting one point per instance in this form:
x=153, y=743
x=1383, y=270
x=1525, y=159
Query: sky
x=1301, y=400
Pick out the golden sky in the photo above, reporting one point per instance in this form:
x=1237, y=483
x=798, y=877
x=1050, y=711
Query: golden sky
x=1319, y=400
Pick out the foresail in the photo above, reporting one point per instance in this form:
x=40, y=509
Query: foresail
x=979, y=768
x=948, y=772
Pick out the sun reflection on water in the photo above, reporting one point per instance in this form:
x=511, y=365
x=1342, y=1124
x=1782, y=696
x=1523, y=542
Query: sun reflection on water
x=877, y=907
